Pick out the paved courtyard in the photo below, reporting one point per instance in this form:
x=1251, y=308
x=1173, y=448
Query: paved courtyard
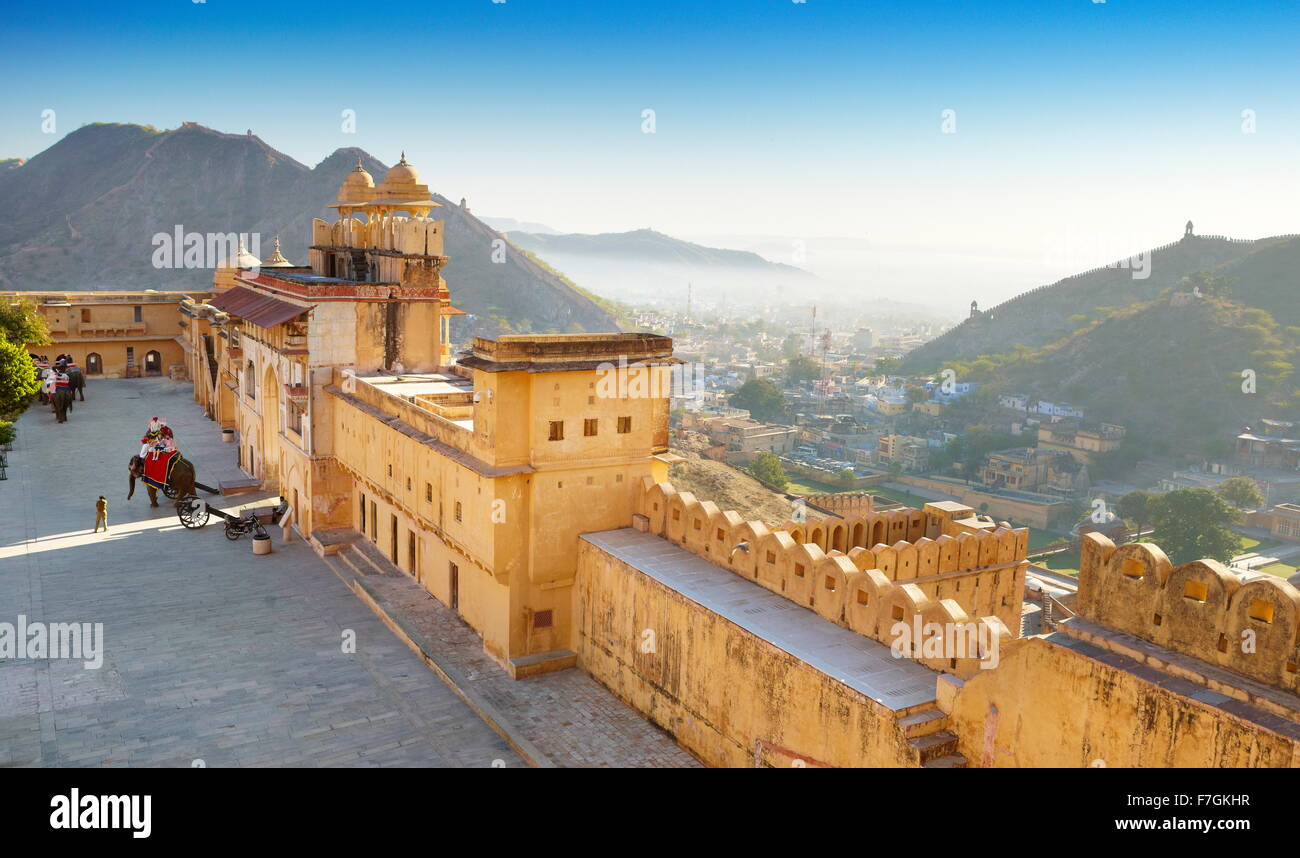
x=210, y=653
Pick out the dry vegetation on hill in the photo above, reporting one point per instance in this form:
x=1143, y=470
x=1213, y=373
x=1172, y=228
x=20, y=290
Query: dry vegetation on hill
x=726, y=486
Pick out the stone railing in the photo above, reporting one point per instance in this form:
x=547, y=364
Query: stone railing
x=959, y=582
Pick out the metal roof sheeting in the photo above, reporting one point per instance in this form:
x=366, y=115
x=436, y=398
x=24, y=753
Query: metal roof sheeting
x=262, y=310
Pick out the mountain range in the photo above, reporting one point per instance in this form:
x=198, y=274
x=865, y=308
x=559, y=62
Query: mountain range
x=647, y=266
x=82, y=214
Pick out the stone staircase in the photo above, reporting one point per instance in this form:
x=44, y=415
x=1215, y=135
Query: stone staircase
x=363, y=559
x=934, y=745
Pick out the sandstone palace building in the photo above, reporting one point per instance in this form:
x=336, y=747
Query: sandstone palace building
x=524, y=483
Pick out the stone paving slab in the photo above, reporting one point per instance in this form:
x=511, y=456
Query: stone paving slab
x=567, y=717
x=210, y=653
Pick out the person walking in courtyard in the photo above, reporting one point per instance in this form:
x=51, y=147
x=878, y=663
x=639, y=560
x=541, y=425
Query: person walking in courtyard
x=101, y=514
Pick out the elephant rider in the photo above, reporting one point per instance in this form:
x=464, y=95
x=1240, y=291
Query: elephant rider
x=53, y=380
x=157, y=438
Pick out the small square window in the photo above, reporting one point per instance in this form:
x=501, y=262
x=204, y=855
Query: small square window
x=589, y=427
x=1261, y=610
x=624, y=425
x=557, y=430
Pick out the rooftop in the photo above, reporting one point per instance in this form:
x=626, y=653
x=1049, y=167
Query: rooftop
x=567, y=352
x=862, y=664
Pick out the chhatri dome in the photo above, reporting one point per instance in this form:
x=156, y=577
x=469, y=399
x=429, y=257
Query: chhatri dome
x=241, y=258
x=357, y=188
x=402, y=189
x=401, y=174
x=277, y=259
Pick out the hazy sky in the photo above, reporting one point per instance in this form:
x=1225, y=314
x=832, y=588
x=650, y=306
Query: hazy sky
x=1083, y=130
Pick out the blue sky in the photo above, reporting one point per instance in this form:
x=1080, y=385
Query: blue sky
x=1078, y=124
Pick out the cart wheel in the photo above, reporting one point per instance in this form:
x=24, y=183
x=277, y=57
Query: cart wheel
x=192, y=512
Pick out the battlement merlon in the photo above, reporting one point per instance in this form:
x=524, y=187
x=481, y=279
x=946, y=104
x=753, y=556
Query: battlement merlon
x=1201, y=608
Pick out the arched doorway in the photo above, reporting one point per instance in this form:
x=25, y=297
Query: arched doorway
x=270, y=429
x=94, y=364
x=152, y=363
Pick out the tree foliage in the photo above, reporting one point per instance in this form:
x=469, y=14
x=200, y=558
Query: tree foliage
x=767, y=469
x=18, y=382
x=1135, y=508
x=21, y=322
x=762, y=398
x=802, y=368
x=1192, y=524
x=1241, y=492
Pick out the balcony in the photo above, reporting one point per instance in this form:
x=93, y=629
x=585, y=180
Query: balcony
x=298, y=394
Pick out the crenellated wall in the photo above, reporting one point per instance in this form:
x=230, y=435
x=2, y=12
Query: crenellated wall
x=968, y=579
x=1201, y=608
x=842, y=503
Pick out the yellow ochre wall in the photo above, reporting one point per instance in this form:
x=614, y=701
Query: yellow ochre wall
x=1046, y=705
x=717, y=688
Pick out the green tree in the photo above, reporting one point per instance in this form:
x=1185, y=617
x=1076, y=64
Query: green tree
x=762, y=398
x=1195, y=524
x=1135, y=507
x=21, y=322
x=1241, y=492
x=802, y=368
x=18, y=382
x=888, y=365
x=767, y=469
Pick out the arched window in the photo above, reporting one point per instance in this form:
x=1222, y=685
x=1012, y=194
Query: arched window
x=152, y=363
x=250, y=381
x=94, y=364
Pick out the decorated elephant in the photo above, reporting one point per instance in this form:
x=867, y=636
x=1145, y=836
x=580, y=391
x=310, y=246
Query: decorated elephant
x=77, y=381
x=179, y=473
x=62, y=403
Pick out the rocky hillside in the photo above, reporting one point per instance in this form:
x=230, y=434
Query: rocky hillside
x=726, y=486
x=1170, y=371
x=1044, y=315
x=82, y=214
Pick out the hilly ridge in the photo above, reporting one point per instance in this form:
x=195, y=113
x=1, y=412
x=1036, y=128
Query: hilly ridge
x=1042, y=316
x=643, y=265
x=82, y=214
